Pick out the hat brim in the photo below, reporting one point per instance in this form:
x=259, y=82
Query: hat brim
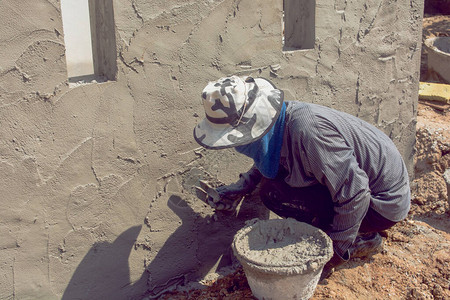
x=255, y=123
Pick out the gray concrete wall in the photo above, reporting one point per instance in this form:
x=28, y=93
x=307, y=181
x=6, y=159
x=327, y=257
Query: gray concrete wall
x=96, y=191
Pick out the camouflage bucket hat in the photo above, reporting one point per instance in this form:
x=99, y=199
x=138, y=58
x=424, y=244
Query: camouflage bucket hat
x=238, y=111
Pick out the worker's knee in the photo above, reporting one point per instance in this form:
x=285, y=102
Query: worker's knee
x=311, y=205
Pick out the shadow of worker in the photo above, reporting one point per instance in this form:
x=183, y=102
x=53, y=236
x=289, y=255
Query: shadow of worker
x=201, y=244
x=104, y=272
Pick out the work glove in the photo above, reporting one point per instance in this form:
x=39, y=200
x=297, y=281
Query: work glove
x=366, y=245
x=227, y=197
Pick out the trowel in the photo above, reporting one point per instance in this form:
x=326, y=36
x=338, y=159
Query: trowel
x=208, y=194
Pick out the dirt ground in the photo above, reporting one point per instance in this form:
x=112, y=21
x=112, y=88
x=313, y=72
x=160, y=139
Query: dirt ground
x=415, y=261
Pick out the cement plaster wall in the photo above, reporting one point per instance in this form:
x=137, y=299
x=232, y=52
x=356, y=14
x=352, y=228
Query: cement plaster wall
x=96, y=191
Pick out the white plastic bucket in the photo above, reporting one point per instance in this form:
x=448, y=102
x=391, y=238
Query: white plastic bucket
x=439, y=55
x=282, y=258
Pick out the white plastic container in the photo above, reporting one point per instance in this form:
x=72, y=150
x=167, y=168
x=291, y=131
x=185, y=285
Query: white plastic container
x=438, y=49
x=282, y=258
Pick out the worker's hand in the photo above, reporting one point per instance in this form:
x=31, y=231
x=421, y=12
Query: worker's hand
x=225, y=197
x=336, y=261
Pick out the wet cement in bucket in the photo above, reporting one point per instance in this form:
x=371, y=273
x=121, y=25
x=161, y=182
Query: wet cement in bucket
x=282, y=258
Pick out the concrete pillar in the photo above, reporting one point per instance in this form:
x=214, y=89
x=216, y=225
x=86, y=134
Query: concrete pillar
x=103, y=38
x=299, y=24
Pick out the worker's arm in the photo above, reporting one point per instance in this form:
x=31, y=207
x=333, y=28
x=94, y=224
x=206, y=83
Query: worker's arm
x=333, y=163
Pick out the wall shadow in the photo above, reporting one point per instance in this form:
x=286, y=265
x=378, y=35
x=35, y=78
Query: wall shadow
x=200, y=243
x=104, y=271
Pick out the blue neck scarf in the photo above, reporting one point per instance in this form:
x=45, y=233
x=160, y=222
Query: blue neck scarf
x=265, y=151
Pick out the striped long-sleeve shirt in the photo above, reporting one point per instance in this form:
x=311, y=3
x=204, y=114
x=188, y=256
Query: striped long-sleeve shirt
x=358, y=163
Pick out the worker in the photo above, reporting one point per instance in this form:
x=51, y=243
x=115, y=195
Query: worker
x=312, y=163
